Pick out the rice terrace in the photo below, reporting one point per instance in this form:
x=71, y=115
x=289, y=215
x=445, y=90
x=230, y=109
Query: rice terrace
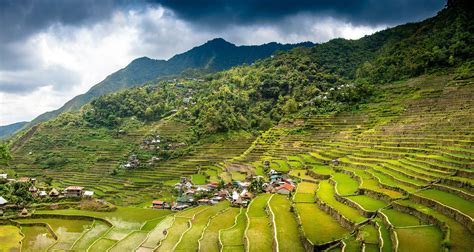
x=360, y=144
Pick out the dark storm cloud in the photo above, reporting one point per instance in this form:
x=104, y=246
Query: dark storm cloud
x=215, y=13
x=21, y=18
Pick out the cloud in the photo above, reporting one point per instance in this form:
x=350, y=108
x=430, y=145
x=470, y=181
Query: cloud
x=221, y=13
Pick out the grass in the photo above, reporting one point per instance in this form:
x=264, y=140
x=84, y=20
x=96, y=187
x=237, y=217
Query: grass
x=286, y=224
x=322, y=169
x=399, y=219
x=426, y=238
x=259, y=232
x=301, y=174
x=454, y=201
x=9, y=238
x=345, y=184
x=189, y=241
x=198, y=179
x=461, y=237
x=367, y=203
x=318, y=226
x=326, y=194
x=222, y=221
x=232, y=238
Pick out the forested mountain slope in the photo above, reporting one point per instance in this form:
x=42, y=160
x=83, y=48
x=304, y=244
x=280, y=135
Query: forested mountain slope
x=214, y=55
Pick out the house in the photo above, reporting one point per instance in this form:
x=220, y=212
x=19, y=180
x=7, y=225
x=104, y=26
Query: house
x=88, y=194
x=53, y=193
x=3, y=176
x=190, y=192
x=246, y=195
x=204, y=202
x=158, y=204
x=239, y=203
x=73, y=191
x=178, y=186
x=33, y=189
x=216, y=200
x=23, y=180
x=285, y=189
x=24, y=212
x=184, y=200
x=3, y=201
x=42, y=194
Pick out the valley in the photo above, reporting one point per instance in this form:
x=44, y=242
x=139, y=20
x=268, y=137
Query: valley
x=349, y=145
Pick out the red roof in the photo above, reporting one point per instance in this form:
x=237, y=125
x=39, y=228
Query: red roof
x=157, y=202
x=286, y=186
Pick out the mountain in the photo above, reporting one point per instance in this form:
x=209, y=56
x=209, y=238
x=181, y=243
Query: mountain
x=214, y=55
x=8, y=130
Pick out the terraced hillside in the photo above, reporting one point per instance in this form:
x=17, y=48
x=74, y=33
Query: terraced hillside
x=397, y=168
x=101, y=151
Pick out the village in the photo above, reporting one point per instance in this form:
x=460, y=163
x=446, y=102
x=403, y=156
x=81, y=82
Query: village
x=238, y=193
x=37, y=193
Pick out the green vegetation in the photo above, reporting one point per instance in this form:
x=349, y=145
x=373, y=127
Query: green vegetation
x=259, y=232
x=285, y=224
x=346, y=111
x=9, y=238
x=318, y=226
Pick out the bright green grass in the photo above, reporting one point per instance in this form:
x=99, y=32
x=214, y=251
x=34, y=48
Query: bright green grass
x=345, y=184
x=198, y=179
x=322, y=169
x=369, y=234
x=9, y=238
x=180, y=225
x=352, y=245
x=238, y=176
x=232, y=238
x=98, y=229
x=224, y=220
x=131, y=242
x=367, y=203
x=449, y=199
x=427, y=238
x=399, y=219
x=306, y=187
x=326, y=194
x=156, y=235
x=286, y=224
x=282, y=165
x=295, y=164
x=102, y=245
x=189, y=241
x=151, y=224
x=36, y=238
x=318, y=226
x=259, y=232
x=461, y=238
x=385, y=233
x=301, y=174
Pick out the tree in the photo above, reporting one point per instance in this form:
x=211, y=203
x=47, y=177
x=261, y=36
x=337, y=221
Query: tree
x=4, y=155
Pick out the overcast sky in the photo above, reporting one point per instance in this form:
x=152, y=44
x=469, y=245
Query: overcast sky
x=53, y=50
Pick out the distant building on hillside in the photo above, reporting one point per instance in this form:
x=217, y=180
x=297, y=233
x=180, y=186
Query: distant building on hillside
x=3, y=201
x=73, y=191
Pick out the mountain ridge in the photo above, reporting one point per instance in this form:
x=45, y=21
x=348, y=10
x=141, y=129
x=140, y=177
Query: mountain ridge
x=214, y=55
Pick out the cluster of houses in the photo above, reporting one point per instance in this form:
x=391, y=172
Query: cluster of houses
x=68, y=192
x=238, y=193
